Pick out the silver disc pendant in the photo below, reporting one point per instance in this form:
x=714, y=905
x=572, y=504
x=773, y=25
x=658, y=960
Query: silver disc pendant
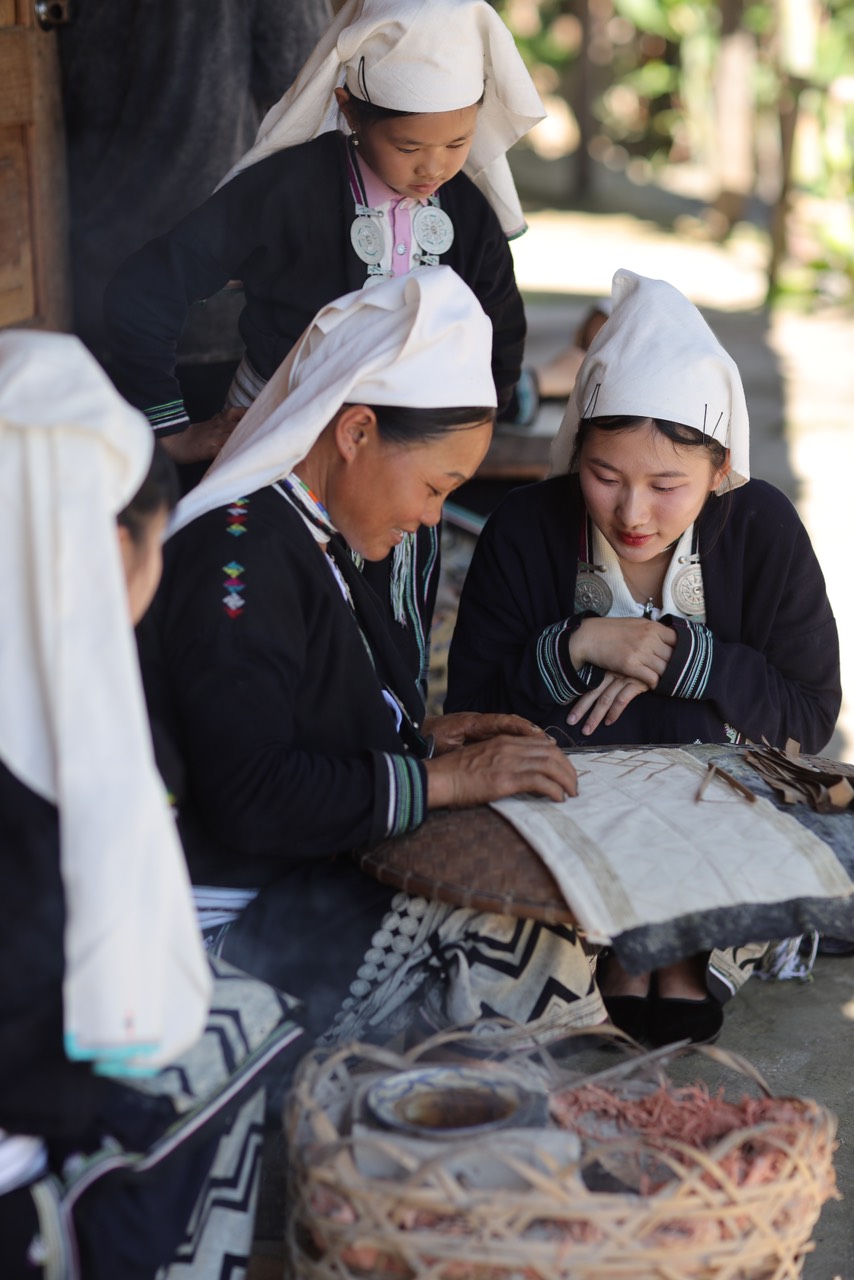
x=433, y=229
x=366, y=236
x=592, y=595
x=687, y=591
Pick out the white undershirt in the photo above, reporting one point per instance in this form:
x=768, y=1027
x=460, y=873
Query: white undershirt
x=624, y=605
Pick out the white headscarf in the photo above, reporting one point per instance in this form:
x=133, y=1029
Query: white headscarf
x=73, y=725
x=656, y=357
x=420, y=56
x=422, y=341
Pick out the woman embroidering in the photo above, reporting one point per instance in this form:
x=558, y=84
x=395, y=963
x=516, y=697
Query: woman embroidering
x=649, y=592
x=302, y=732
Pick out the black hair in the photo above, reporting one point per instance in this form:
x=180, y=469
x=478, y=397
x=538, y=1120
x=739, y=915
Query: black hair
x=158, y=490
x=399, y=425
x=369, y=113
x=677, y=432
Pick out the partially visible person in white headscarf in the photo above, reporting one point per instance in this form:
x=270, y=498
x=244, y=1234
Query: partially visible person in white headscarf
x=103, y=976
x=267, y=656
x=650, y=592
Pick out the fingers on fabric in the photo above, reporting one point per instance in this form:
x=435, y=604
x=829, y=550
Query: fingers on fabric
x=459, y=727
x=498, y=767
x=483, y=725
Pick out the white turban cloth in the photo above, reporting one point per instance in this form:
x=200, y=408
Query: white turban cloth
x=657, y=358
x=73, y=725
x=421, y=341
x=418, y=56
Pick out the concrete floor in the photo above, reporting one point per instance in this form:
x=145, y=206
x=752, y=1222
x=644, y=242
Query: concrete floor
x=799, y=379
x=801, y=1037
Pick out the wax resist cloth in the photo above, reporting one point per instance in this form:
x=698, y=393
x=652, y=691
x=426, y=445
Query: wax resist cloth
x=636, y=848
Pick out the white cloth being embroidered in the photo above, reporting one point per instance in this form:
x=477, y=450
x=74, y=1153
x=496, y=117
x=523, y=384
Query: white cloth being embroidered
x=418, y=56
x=73, y=724
x=623, y=603
x=657, y=358
x=421, y=340
x=721, y=853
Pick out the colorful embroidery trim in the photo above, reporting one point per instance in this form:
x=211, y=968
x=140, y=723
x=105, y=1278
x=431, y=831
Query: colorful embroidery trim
x=233, y=598
x=237, y=513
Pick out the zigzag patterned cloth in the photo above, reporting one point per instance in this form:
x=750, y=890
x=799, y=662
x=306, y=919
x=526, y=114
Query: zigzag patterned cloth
x=217, y=1089
x=453, y=966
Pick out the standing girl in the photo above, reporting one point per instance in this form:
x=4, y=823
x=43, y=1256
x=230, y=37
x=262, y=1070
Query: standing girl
x=431, y=94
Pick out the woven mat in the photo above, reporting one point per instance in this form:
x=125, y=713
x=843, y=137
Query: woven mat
x=471, y=858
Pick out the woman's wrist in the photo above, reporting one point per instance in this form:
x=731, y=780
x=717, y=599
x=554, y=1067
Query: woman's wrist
x=440, y=785
x=578, y=654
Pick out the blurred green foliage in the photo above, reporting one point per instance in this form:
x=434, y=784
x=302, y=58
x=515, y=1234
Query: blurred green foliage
x=650, y=93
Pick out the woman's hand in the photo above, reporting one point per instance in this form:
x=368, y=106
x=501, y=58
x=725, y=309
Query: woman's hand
x=455, y=730
x=607, y=701
x=502, y=766
x=202, y=441
x=634, y=647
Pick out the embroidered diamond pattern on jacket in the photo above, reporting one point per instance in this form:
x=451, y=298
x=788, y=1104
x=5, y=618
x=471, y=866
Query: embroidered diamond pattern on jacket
x=237, y=511
x=233, y=599
x=233, y=603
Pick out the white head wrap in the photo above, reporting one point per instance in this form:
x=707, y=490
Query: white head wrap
x=657, y=358
x=421, y=56
x=422, y=341
x=73, y=725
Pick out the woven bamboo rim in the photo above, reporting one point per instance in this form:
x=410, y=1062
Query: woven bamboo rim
x=344, y=1225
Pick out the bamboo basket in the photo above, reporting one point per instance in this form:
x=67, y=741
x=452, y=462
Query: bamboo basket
x=423, y=1219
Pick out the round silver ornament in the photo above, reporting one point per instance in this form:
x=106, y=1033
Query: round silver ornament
x=366, y=236
x=688, y=593
x=592, y=595
x=433, y=229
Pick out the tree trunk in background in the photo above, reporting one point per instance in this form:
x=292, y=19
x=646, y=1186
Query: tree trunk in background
x=734, y=119
x=796, y=58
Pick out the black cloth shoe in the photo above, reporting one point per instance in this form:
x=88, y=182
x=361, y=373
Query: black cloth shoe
x=630, y=1014
x=697, y=1020
x=835, y=946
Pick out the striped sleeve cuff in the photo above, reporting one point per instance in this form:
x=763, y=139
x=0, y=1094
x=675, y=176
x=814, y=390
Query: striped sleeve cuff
x=167, y=419
x=407, y=794
x=563, y=682
x=690, y=666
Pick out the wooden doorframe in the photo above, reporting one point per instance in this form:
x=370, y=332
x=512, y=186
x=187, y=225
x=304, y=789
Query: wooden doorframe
x=31, y=99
